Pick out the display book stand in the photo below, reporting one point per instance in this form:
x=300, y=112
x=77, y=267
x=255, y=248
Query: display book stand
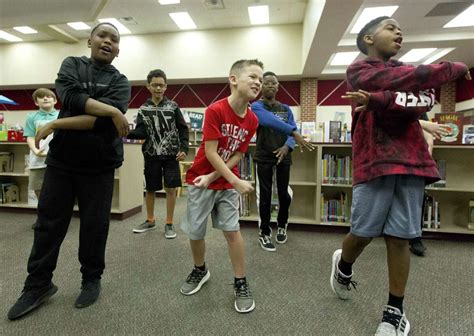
x=128, y=193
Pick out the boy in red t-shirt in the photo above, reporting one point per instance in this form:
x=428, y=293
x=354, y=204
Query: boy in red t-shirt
x=214, y=183
x=391, y=161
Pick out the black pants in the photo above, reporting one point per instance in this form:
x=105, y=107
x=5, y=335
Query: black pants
x=55, y=207
x=264, y=175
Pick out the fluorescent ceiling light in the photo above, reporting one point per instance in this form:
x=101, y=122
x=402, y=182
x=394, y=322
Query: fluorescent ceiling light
x=465, y=19
x=370, y=13
x=25, y=30
x=169, y=2
x=344, y=58
x=259, y=15
x=438, y=55
x=415, y=55
x=121, y=28
x=9, y=37
x=78, y=25
x=183, y=20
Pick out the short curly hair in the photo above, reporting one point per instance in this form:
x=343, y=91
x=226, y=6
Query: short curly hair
x=368, y=29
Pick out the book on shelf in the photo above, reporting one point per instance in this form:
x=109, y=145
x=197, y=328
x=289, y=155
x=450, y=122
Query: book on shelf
x=334, y=209
x=9, y=193
x=431, y=213
x=468, y=134
x=441, y=165
x=335, y=130
x=308, y=128
x=7, y=160
x=454, y=121
x=336, y=169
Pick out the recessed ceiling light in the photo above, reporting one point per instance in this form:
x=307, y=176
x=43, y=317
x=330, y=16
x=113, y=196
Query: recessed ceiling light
x=415, y=55
x=370, y=13
x=259, y=15
x=78, y=25
x=344, y=58
x=25, y=30
x=183, y=20
x=438, y=55
x=465, y=19
x=169, y=2
x=121, y=28
x=9, y=37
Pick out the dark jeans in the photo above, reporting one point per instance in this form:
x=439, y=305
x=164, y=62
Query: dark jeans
x=55, y=207
x=264, y=175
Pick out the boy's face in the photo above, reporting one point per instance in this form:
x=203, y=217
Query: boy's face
x=386, y=40
x=269, y=86
x=157, y=88
x=45, y=103
x=248, y=81
x=104, y=44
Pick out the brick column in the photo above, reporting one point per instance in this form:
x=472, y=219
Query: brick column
x=448, y=97
x=308, y=98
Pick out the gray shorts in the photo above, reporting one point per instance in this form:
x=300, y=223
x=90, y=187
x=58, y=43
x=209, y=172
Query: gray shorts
x=222, y=205
x=389, y=205
x=35, y=180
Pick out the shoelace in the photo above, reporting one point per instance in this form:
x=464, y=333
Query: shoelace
x=195, y=276
x=389, y=316
x=347, y=282
x=242, y=289
x=281, y=231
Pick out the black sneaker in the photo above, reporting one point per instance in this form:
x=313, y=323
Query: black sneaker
x=90, y=291
x=266, y=243
x=244, y=302
x=31, y=299
x=417, y=247
x=282, y=236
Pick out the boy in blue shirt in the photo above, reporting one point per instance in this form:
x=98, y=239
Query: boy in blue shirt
x=45, y=99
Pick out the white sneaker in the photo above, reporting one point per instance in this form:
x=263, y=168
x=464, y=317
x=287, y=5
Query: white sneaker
x=394, y=323
x=340, y=283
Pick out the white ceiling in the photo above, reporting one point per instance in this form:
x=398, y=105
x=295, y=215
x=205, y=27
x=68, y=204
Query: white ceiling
x=331, y=33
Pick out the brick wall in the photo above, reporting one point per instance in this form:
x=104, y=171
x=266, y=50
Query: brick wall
x=308, y=98
x=448, y=97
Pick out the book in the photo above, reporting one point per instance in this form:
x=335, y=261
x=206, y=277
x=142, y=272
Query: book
x=441, y=165
x=335, y=129
x=455, y=124
x=468, y=134
x=7, y=160
x=307, y=128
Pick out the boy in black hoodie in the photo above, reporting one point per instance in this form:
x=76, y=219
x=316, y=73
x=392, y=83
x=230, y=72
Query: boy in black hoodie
x=85, y=151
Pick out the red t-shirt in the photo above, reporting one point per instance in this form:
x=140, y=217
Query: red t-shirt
x=234, y=134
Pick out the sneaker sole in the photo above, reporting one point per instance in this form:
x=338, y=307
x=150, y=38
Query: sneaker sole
x=38, y=303
x=202, y=282
x=333, y=270
x=282, y=242
x=244, y=311
x=266, y=248
x=143, y=230
x=170, y=237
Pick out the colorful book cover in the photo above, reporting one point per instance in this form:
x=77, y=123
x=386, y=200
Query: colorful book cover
x=455, y=123
x=468, y=134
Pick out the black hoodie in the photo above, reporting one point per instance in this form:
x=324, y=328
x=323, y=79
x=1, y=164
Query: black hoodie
x=101, y=148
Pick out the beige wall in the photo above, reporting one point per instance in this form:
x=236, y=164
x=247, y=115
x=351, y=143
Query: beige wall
x=185, y=55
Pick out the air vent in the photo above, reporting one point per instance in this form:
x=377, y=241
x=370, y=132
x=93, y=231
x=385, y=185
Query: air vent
x=214, y=4
x=448, y=8
x=128, y=20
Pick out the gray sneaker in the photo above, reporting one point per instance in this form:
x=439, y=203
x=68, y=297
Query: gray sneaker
x=244, y=302
x=144, y=227
x=340, y=284
x=169, y=231
x=194, y=281
x=393, y=323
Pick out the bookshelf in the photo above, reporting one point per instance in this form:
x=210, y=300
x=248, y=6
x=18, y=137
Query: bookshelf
x=127, y=197
x=306, y=180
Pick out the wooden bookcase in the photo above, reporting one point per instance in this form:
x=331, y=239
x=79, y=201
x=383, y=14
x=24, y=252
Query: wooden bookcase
x=128, y=194
x=307, y=184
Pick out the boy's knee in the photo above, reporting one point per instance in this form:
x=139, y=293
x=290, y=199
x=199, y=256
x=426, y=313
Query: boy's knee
x=395, y=242
x=232, y=236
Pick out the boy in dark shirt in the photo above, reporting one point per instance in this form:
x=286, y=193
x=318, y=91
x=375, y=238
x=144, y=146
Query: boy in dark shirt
x=86, y=149
x=166, y=135
x=391, y=161
x=273, y=151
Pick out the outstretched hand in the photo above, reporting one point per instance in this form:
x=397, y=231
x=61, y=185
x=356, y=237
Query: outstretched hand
x=361, y=97
x=302, y=143
x=281, y=152
x=437, y=130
